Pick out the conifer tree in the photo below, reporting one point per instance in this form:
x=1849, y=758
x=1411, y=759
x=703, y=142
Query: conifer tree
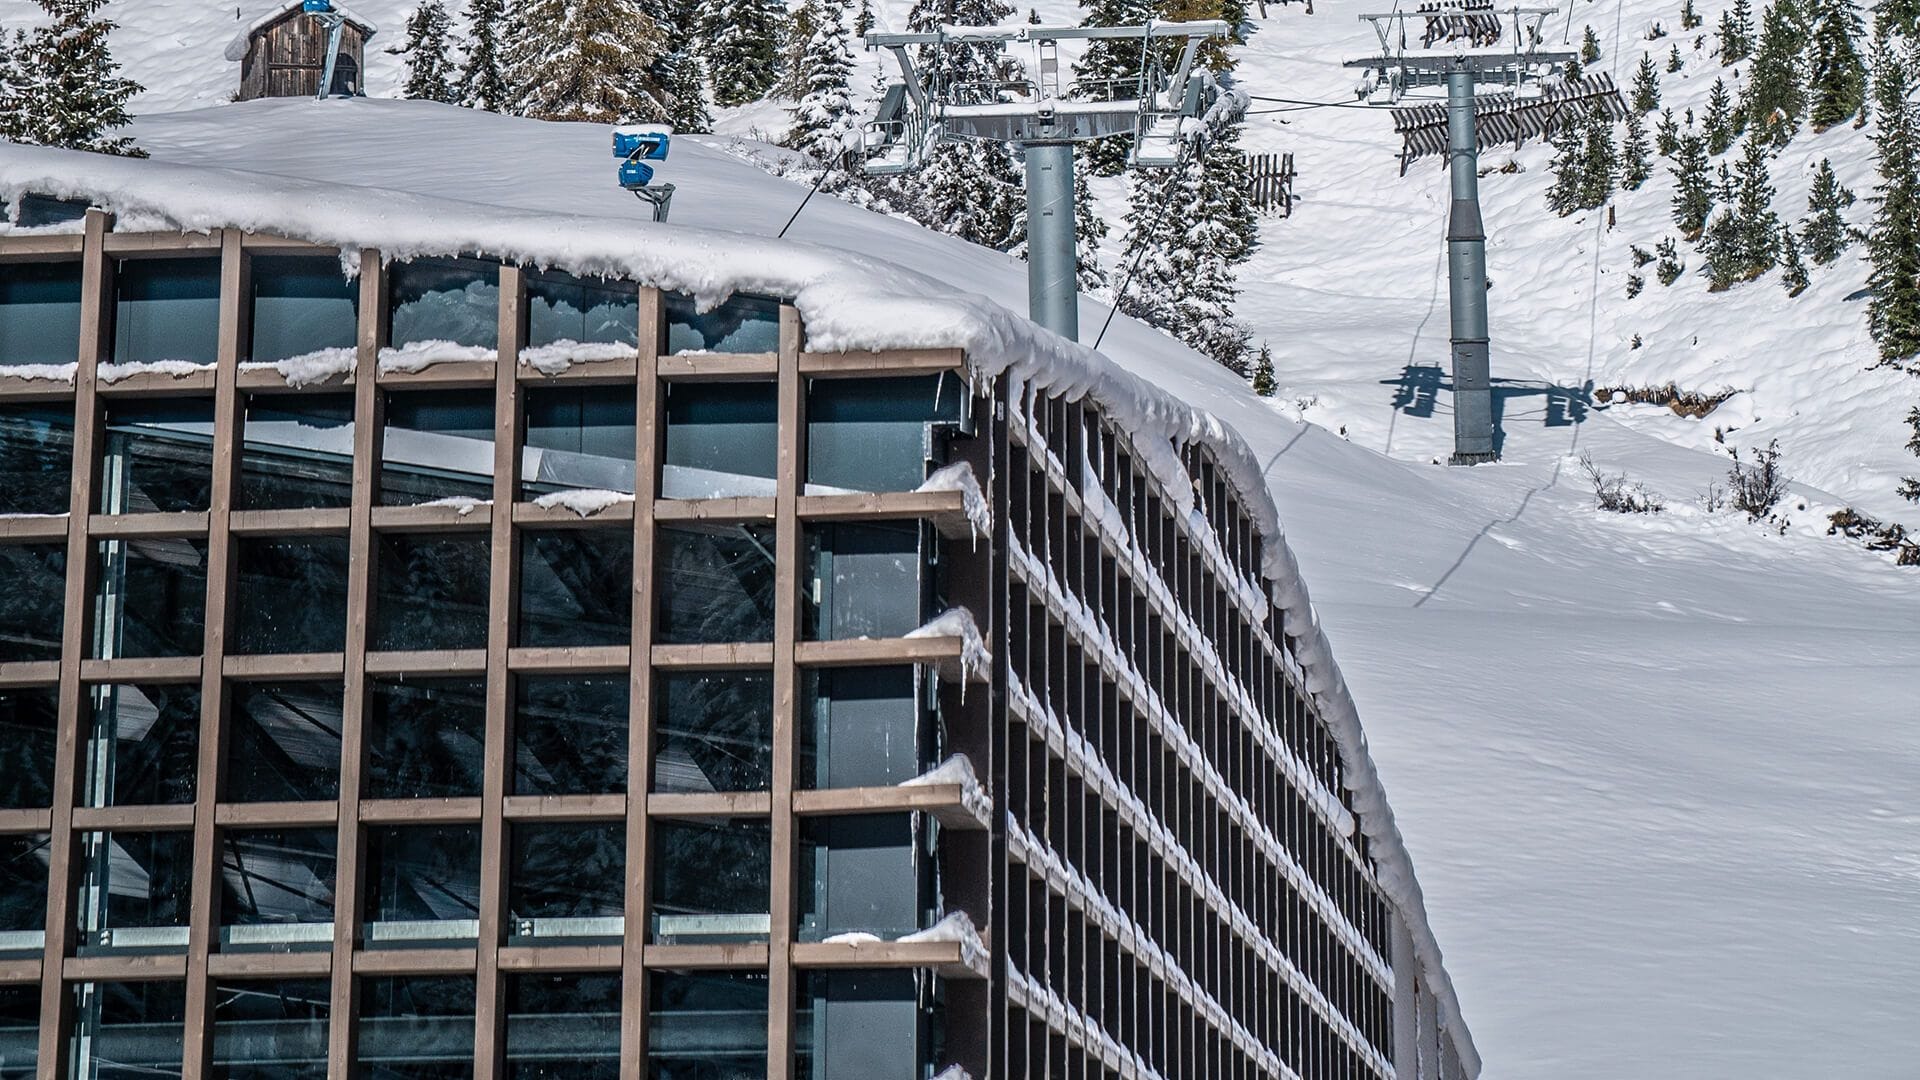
x=1689, y=18
x=1600, y=165
x=1569, y=159
x=1759, y=226
x=1725, y=190
x=1736, y=32
x=798, y=38
x=1837, y=76
x=1775, y=97
x=1897, y=17
x=1635, y=166
x=742, y=51
x=1719, y=120
x=1893, y=242
x=824, y=121
x=1720, y=246
x=587, y=60
x=973, y=190
x=1692, y=197
x=483, y=79
x=1589, y=46
x=1666, y=134
x=75, y=96
x=684, y=89
x=13, y=85
x=1263, y=383
x=863, y=22
x=1669, y=267
x=1793, y=272
x=1910, y=485
x=1646, y=86
x=1189, y=227
x=1112, y=59
x=1674, y=63
x=1825, y=230
x=429, y=67
x=1089, y=228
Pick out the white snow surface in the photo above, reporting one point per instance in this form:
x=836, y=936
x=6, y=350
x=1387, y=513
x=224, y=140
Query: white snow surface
x=959, y=622
x=957, y=769
x=1658, y=771
x=959, y=477
x=309, y=368
x=584, y=503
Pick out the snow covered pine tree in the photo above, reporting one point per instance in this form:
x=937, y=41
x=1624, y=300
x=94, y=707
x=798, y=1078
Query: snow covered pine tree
x=483, y=80
x=74, y=96
x=742, y=54
x=585, y=60
x=1893, y=243
x=972, y=190
x=824, y=122
x=429, y=64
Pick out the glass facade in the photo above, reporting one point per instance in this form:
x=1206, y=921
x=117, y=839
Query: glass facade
x=39, y=313
x=349, y=645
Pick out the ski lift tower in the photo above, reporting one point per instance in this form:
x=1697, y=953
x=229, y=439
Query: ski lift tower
x=1044, y=117
x=1471, y=54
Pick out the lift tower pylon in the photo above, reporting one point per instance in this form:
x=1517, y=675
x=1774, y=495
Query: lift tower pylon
x=1044, y=118
x=1402, y=70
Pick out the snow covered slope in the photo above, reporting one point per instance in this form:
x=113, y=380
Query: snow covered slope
x=1657, y=773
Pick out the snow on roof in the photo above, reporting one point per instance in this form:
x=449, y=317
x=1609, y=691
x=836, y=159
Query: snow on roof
x=243, y=41
x=427, y=179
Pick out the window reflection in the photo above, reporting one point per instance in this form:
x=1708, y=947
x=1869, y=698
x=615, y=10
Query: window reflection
x=710, y=878
x=565, y=308
x=449, y=300
x=568, y=871
x=276, y=877
x=149, y=597
x=866, y=580
x=19, y=1031
x=578, y=438
x=570, y=735
x=297, y=451
x=425, y=878
x=432, y=591
x=123, y=1030
x=270, y=1029
x=706, y=1025
x=144, y=744
x=24, y=860
x=39, y=313
x=437, y=445
x=283, y=742
x=416, y=1027
x=29, y=726
x=859, y=873
x=563, y=1027
x=158, y=456
x=32, y=603
x=166, y=309
x=877, y=434
x=576, y=587
x=425, y=738
x=302, y=304
x=743, y=324
x=722, y=440
x=36, y=457
x=268, y=572
x=715, y=583
x=866, y=729
x=714, y=732
x=135, y=881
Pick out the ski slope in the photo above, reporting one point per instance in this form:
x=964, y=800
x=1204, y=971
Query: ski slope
x=1656, y=773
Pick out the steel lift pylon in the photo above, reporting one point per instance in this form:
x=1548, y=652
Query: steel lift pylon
x=1044, y=116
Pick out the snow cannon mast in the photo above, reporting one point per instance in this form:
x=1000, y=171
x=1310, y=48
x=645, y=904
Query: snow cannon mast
x=323, y=12
x=636, y=147
x=1044, y=116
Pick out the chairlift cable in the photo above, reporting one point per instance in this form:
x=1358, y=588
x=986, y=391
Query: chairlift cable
x=1158, y=214
x=821, y=179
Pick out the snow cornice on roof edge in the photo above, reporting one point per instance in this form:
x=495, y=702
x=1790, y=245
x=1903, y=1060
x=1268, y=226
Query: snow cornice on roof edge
x=849, y=303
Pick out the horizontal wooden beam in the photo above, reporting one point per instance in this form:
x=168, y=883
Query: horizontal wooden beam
x=124, y=968
x=720, y=367
x=56, y=246
x=559, y=517
x=694, y=657
x=315, y=964
x=152, y=669
x=739, y=508
x=284, y=666
x=33, y=527
x=21, y=970
x=15, y=822
x=949, y=958
x=258, y=379
x=945, y=802
x=451, y=375
x=887, y=362
x=330, y=521
x=569, y=660
x=284, y=814
x=107, y=818
x=161, y=243
x=564, y=807
x=585, y=372
x=414, y=962
x=141, y=384
x=560, y=958
x=709, y=804
x=265, y=244
x=29, y=673
x=448, y=662
x=474, y=517
x=420, y=811
x=145, y=526
x=742, y=954
x=16, y=388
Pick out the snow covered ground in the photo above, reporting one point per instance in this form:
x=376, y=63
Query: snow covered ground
x=1657, y=773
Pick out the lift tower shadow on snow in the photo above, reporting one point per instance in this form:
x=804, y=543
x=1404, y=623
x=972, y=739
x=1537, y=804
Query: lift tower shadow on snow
x=1044, y=118
x=1472, y=54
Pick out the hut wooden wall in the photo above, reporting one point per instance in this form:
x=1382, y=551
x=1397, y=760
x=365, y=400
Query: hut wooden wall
x=288, y=57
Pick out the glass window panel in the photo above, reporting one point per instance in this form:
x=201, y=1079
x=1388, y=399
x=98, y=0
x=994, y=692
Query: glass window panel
x=38, y=211
x=298, y=451
x=706, y=1025
x=455, y=300
x=283, y=742
x=19, y=1031
x=578, y=438
x=416, y=1027
x=276, y=876
x=744, y=324
x=425, y=738
x=423, y=873
x=570, y=735
x=135, y=879
x=563, y=1027
x=858, y=874
x=871, y=434
x=433, y=591
x=722, y=440
x=567, y=871
x=866, y=729
x=858, y=1023
x=24, y=859
x=714, y=731
x=437, y=445
x=715, y=583
x=865, y=582
x=270, y=1029
x=312, y=568
x=710, y=879
x=159, y=456
x=149, y=597
x=576, y=587
x=565, y=308
x=39, y=313
x=32, y=603
x=144, y=746
x=166, y=309
x=128, y=1030
x=29, y=726
x=36, y=458
x=301, y=305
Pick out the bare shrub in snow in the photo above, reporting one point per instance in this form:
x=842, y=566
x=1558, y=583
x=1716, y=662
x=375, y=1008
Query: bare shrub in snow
x=1692, y=404
x=1614, y=493
x=1758, y=487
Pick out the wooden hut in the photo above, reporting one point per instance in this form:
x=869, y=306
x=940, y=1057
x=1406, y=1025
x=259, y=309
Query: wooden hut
x=284, y=52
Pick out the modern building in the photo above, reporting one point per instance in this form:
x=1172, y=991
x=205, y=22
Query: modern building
x=473, y=669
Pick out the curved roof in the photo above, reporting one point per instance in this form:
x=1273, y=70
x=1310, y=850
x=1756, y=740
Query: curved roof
x=243, y=40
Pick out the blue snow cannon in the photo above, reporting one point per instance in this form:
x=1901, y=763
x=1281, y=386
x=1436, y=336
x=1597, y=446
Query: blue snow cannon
x=635, y=147
x=317, y=7
x=639, y=145
x=635, y=174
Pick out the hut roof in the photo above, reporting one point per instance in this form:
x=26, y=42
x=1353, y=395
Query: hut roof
x=243, y=41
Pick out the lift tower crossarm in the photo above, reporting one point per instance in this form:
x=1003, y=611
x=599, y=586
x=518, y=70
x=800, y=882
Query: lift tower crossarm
x=1027, y=32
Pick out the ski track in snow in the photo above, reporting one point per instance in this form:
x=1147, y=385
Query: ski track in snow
x=1656, y=773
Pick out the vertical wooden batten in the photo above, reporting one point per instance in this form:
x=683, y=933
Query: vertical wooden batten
x=649, y=434
x=96, y=294
x=204, y=915
x=790, y=470
x=502, y=601
x=368, y=419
